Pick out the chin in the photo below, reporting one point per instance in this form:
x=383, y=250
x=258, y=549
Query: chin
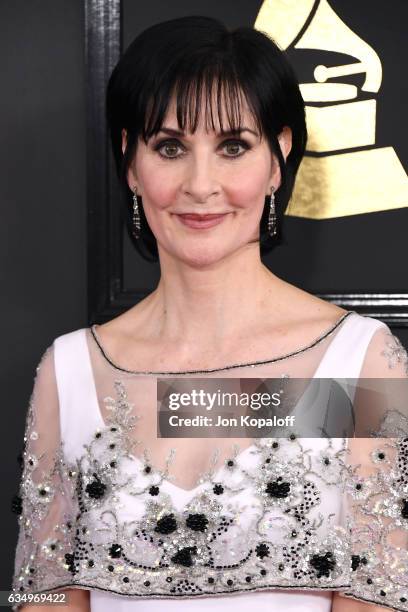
x=202, y=258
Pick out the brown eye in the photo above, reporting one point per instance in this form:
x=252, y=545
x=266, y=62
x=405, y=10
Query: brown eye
x=234, y=145
x=168, y=149
x=233, y=148
x=171, y=149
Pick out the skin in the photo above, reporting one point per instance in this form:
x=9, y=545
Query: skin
x=205, y=178
x=215, y=298
x=346, y=604
x=78, y=600
x=216, y=303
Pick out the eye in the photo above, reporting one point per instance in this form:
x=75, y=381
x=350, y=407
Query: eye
x=168, y=149
x=236, y=144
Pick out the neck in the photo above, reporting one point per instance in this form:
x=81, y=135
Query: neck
x=214, y=303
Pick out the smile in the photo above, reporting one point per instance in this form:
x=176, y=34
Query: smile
x=196, y=221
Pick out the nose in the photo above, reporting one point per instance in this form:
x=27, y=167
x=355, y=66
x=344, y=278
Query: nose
x=200, y=181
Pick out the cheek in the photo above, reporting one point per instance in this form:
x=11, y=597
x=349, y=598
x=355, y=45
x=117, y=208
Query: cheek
x=159, y=186
x=249, y=188
x=243, y=185
x=160, y=194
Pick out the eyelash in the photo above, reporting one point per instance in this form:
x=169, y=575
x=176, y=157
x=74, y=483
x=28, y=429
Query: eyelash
x=163, y=143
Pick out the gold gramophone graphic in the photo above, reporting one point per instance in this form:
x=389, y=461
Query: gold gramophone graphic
x=344, y=172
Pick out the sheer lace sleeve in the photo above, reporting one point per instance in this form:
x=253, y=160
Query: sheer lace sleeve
x=45, y=502
x=377, y=490
x=386, y=357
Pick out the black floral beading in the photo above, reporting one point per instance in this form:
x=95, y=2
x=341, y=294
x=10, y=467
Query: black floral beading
x=197, y=522
x=278, y=488
x=96, y=488
x=224, y=538
x=324, y=564
x=166, y=524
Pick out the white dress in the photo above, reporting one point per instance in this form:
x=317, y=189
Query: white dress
x=107, y=505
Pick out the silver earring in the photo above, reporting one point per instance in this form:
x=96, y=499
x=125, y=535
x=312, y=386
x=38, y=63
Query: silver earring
x=272, y=215
x=136, y=215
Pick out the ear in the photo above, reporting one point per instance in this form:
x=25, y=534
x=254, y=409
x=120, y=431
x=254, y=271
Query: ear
x=130, y=176
x=124, y=140
x=285, y=143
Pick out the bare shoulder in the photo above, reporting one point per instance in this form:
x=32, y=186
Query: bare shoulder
x=127, y=322
x=306, y=313
x=290, y=318
x=130, y=326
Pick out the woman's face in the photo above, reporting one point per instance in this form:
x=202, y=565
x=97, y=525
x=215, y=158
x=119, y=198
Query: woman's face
x=204, y=173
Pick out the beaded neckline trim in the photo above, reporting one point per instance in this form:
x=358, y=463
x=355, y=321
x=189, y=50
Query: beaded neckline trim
x=228, y=367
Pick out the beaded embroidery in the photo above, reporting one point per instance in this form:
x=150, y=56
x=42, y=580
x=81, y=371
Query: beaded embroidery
x=255, y=523
x=395, y=352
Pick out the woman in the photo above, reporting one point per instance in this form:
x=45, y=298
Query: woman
x=208, y=131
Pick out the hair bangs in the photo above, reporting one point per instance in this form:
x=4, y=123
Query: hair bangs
x=199, y=70
x=212, y=94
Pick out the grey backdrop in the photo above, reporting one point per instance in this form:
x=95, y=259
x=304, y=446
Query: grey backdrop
x=43, y=208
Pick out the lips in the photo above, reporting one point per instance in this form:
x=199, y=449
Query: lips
x=197, y=217
x=201, y=222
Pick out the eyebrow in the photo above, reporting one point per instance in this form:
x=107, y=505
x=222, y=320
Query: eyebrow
x=172, y=132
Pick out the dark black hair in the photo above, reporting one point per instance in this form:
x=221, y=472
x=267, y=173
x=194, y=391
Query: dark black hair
x=186, y=57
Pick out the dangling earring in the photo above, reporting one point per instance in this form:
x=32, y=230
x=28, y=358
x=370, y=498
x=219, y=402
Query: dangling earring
x=272, y=215
x=136, y=215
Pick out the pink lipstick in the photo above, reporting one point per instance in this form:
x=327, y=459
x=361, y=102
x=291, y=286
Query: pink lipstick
x=197, y=221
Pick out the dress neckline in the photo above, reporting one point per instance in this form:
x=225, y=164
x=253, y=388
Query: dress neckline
x=252, y=364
